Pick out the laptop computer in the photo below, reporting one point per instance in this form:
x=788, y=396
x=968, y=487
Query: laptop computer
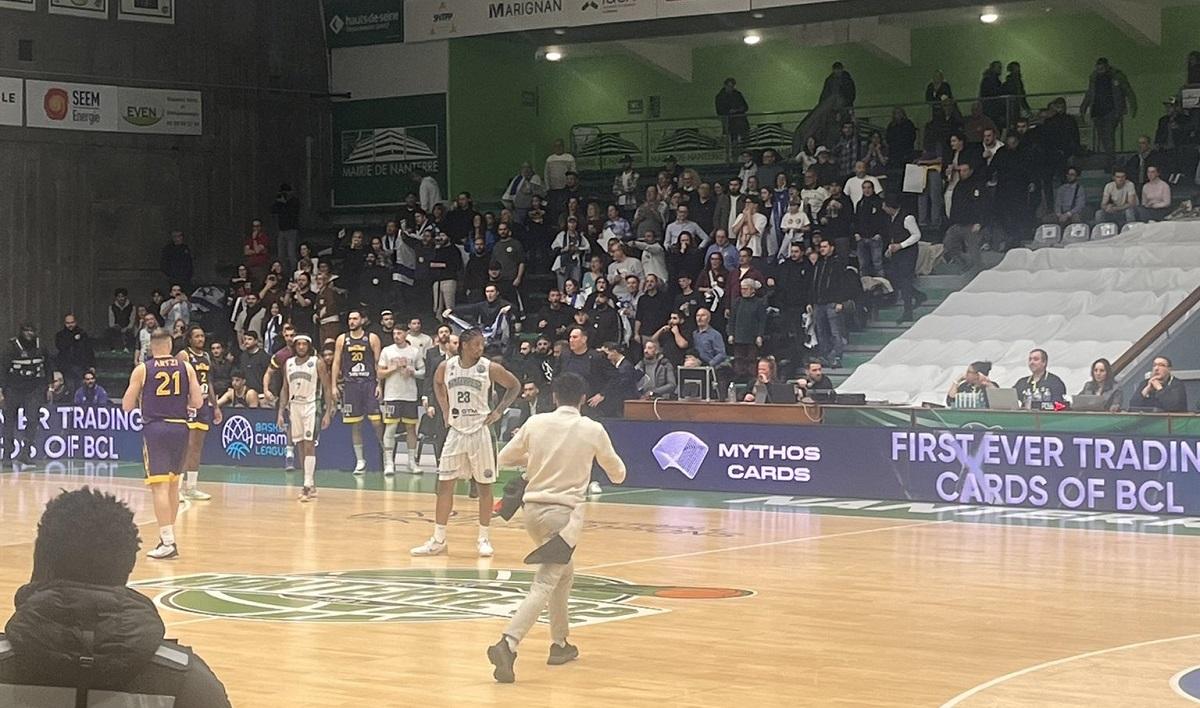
x=1089, y=402
x=1003, y=399
x=781, y=393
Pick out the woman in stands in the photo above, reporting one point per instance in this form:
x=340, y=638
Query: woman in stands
x=572, y=295
x=807, y=157
x=1104, y=384
x=596, y=271
x=970, y=391
x=651, y=215
x=685, y=258
x=714, y=283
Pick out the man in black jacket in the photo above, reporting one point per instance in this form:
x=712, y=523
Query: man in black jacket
x=622, y=384
x=832, y=287
x=791, y=281
x=176, y=261
x=1162, y=392
x=839, y=83
x=969, y=216
x=75, y=355
x=78, y=629
x=578, y=358
x=24, y=379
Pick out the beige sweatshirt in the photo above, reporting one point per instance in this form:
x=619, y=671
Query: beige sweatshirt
x=556, y=449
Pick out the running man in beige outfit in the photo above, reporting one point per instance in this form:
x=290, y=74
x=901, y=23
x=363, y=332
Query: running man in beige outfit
x=556, y=449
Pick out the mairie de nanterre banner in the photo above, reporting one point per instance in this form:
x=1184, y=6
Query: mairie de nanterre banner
x=1077, y=471
x=378, y=143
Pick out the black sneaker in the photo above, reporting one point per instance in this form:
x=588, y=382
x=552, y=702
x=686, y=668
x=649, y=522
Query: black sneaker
x=503, y=659
x=561, y=655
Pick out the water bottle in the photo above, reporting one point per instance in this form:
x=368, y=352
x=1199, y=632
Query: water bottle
x=1036, y=399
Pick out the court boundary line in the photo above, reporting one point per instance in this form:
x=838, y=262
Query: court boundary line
x=764, y=544
x=1178, y=689
x=971, y=692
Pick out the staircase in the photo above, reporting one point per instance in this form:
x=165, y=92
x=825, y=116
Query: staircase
x=112, y=371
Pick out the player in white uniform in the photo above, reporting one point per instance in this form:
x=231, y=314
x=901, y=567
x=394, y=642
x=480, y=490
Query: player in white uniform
x=400, y=365
x=462, y=385
x=305, y=378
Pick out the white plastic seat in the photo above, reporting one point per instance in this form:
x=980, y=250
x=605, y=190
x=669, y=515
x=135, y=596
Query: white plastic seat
x=1104, y=230
x=1129, y=226
x=1075, y=233
x=1047, y=234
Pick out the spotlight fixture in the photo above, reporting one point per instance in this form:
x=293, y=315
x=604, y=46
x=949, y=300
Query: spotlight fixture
x=757, y=15
x=988, y=17
x=560, y=31
x=752, y=39
x=554, y=55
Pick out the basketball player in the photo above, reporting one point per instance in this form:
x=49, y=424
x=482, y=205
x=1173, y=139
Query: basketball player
x=400, y=365
x=207, y=415
x=556, y=449
x=462, y=385
x=355, y=354
x=305, y=376
x=170, y=390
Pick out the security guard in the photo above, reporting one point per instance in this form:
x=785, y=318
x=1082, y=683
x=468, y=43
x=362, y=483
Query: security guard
x=24, y=382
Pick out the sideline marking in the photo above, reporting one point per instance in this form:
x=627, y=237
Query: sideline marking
x=1065, y=660
x=766, y=544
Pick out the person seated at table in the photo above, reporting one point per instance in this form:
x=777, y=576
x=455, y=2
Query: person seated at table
x=970, y=390
x=1104, y=384
x=1162, y=392
x=766, y=372
x=814, y=378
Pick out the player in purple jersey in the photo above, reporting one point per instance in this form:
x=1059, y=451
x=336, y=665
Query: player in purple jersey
x=206, y=416
x=355, y=356
x=167, y=391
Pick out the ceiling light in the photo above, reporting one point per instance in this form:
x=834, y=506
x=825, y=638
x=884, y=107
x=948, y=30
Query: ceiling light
x=757, y=15
x=988, y=17
x=752, y=39
x=559, y=31
x=553, y=55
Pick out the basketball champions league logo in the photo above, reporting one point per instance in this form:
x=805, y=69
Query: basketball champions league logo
x=411, y=595
x=237, y=437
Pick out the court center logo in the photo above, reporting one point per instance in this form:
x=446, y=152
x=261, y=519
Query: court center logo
x=406, y=595
x=237, y=437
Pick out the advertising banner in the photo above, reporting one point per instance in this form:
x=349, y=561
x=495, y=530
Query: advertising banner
x=353, y=23
x=687, y=8
x=426, y=20
x=12, y=101
x=95, y=107
x=95, y=9
x=160, y=11
x=1077, y=471
x=378, y=143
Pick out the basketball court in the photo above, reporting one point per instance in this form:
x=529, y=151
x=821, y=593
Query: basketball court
x=680, y=599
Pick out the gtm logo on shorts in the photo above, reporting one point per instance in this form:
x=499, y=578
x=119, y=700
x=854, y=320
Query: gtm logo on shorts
x=237, y=437
x=681, y=450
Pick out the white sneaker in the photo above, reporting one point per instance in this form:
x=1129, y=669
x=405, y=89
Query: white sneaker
x=594, y=488
x=195, y=494
x=361, y=467
x=485, y=548
x=414, y=468
x=389, y=469
x=163, y=552
x=431, y=548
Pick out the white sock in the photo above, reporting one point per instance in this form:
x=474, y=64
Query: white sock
x=310, y=471
x=412, y=456
x=389, y=443
x=439, y=533
x=512, y=643
x=167, y=535
x=358, y=452
x=192, y=477
x=483, y=533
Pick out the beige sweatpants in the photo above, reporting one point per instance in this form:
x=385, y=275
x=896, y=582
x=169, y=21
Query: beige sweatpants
x=551, y=582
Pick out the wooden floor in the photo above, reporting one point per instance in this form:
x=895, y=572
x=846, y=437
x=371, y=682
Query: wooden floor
x=838, y=610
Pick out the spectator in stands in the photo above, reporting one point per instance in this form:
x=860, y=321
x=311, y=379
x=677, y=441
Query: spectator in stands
x=848, y=149
x=653, y=309
x=1119, y=201
x=617, y=225
x=750, y=228
x=807, y=156
x=1070, y=200
x=827, y=170
x=672, y=338
x=901, y=138
x=854, y=183
x=91, y=393
x=654, y=256
x=715, y=282
x=251, y=317
x=483, y=315
x=1041, y=389
x=969, y=217
x=723, y=247
x=814, y=378
x=870, y=227
x=747, y=269
x=876, y=159
x=831, y=289
x=121, y=321
x=255, y=251
x=624, y=188
x=59, y=394
x=702, y=207
x=970, y=390
x=1103, y=384
x=570, y=249
x=651, y=215
x=1162, y=392
x=769, y=168
x=835, y=219
x=839, y=85
x=708, y=342
x=78, y=629
x=681, y=224
x=812, y=194
x=176, y=260
x=766, y=372
x=991, y=90
x=510, y=254
x=429, y=194
x=731, y=108
x=622, y=383
x=938, y=89
x=459, y=219
x=621, y=267
x=177, y=308
x=286, y=209
x=239, y=394
x=1017, y=104
x=559, y=163
x=253, y=359
x=521, y=189
x=75, y=354
x=1058, y=136
x=794, y=226
x=221, y=374
x=1156, y=199
x=791, y=282
x=747, y=326
x=729, y=207
x=901, y=234
x=1015, y=175
x=148, y=324
x=1139, y=162
x=657, y=374
x=579, y=359
x=977, y=123
x=1109, y=97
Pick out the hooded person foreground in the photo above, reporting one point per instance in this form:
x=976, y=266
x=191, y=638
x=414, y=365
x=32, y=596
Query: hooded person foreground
x=78, y=630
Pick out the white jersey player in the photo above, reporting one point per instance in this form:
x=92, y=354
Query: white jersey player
x=463, y=385
x=305, y=380
x=400, y=365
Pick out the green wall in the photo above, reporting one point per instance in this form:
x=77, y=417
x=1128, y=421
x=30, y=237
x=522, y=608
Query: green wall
x=491, y=132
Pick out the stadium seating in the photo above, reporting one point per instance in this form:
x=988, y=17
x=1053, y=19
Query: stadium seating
x=1081, y=302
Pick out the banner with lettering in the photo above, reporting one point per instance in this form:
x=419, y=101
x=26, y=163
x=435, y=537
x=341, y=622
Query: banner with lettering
x=117, y=109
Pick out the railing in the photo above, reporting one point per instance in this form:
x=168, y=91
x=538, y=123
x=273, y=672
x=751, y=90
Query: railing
x=699, y=140
x=1157, y=332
